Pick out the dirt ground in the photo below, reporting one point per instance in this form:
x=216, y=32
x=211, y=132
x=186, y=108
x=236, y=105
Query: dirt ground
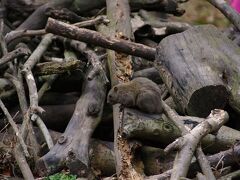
x=202, y=12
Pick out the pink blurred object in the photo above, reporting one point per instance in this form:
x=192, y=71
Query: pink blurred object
x=236, y=5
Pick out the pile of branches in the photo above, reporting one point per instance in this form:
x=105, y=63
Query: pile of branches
x=59, y=58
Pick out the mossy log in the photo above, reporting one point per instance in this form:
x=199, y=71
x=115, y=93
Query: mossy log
x=158, y=128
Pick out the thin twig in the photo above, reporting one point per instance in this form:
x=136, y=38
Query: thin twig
x=15, y=128
x=21, y=160
x=23, y=165
x=2, y=41
x=20, y=33
x=188, y=143
x=14, y=54
x=43, y=129
x=95, y=38
x=204, y=164
x=91, y=22
x=38, y=52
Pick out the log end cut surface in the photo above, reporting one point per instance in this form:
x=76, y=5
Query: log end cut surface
x=206, y=99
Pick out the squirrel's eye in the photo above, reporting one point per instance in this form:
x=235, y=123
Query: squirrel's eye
x=110, y=96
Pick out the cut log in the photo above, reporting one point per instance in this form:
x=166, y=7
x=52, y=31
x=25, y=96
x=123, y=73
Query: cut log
x=196, y=66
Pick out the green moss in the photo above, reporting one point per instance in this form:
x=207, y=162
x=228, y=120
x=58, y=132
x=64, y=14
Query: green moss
x=61, y=176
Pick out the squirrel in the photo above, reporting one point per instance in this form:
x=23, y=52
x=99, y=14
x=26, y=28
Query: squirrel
x=140, y=92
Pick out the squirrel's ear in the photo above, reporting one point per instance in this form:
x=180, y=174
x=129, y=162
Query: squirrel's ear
x=115, y=88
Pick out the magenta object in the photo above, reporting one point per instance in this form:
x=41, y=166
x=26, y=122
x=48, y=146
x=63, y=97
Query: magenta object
x=236, y=5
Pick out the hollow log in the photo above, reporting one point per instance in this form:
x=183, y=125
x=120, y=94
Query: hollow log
x=196, y=65
x=72, y=147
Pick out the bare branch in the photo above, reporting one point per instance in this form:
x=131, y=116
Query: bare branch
x=15, y=128
x=229, y=12
x=96, y=38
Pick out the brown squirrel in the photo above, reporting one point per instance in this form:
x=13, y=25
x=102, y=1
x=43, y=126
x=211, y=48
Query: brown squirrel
x=140, y=92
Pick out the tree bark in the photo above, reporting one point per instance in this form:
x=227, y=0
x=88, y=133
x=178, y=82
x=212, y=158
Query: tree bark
x=72, y=146
x=92, y=37
x=158, y=128
x=196, y=66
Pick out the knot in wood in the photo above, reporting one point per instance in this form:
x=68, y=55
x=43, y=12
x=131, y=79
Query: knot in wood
x=71, y=155
x=62, y=139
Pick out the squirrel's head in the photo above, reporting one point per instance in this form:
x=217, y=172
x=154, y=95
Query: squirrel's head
x=112, y=97
x=122, y=95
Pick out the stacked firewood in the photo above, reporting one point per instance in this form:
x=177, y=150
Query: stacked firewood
x=60, y=58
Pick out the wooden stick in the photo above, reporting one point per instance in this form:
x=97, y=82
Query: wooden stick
x=15, y=128
x=95, y=38
x=188, y=143
x=14, y=54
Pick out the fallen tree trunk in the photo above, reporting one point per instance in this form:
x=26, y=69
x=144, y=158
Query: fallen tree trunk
x=158, y=128
x=197, y=67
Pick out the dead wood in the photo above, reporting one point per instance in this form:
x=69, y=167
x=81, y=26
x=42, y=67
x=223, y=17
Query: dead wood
x=15, y=128
x=158, y=128
x=14, y=54
x=204, y=164
x=157, y=20
x=95, y=38
x=38, y=19
x=48, y=68
x=120, y=27
x=64, y=14
x=92, y=57
x=21, y=33
x=18, y=154
x=197, y=68
x=15, y=34
x=72, y=146
x=205, y=53
x=188, y=143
